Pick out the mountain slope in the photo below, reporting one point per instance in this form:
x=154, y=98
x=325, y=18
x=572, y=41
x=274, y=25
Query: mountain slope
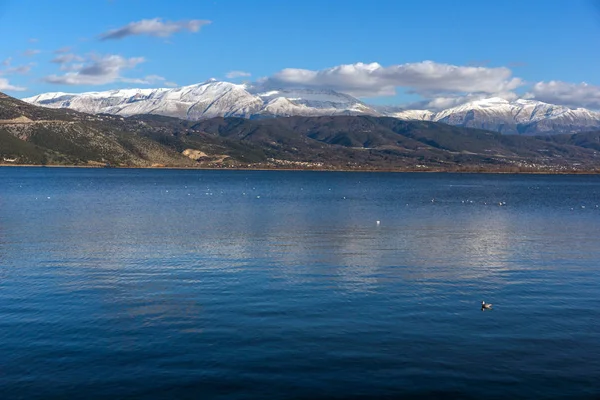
x=37, y=135
x=366, y=142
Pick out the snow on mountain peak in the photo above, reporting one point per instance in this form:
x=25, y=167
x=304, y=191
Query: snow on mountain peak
x=214, y=98
x=490, y=102
x=206, y=100
x=270, y=93
x=521, y=116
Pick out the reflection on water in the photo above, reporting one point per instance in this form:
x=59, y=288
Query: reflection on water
x=222, y=284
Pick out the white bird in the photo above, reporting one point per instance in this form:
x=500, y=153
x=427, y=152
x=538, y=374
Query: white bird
x=486, y=306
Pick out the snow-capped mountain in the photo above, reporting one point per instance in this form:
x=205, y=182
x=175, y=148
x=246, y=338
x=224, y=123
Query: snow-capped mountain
x=527, y=117
x=217, y=98
x=210, y=99
x=309, y=102
x=207, y=100
x=520, y=116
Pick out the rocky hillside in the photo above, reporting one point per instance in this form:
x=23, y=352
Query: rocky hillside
x=37, y=135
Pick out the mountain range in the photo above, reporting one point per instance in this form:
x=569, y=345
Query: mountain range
x=36, y=135
x=252, y=101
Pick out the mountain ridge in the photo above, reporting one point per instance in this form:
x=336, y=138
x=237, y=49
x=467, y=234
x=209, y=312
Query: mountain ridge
x=36, y=135
x=224, y=99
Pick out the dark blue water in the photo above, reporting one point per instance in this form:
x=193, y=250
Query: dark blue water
x=157, y=284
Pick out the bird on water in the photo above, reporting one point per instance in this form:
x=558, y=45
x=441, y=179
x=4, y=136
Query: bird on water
x=486, y=306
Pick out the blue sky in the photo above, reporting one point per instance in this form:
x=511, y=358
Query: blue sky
x=434, y=53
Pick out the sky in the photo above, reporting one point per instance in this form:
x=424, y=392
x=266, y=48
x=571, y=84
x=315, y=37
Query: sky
x=429, y=54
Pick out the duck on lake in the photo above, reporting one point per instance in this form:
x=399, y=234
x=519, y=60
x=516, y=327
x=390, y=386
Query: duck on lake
x=486, y=306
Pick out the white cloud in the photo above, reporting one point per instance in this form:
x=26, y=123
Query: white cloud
x=100, y=70
x=71, y=67
x=31, y=52
x=97, y=70
x=5, y=85
x=568, y=94
x=443, y=102
x=154, y=27
x=65, y=58
x=62, y=50
x=21, y=70
x=18, y=69
x=237, y=74
x=149, y=80
x=426, y=78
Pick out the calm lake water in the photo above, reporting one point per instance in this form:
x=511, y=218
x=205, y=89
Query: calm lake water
x=170, y=284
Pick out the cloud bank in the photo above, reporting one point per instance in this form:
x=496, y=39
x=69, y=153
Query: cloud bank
x=439, y=85
x=568, y=94
x=426, y=78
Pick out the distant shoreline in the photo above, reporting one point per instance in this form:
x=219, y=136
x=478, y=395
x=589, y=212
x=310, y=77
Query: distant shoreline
x=392, y=170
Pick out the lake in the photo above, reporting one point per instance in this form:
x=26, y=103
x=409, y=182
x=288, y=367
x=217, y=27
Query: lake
x=165, y=284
